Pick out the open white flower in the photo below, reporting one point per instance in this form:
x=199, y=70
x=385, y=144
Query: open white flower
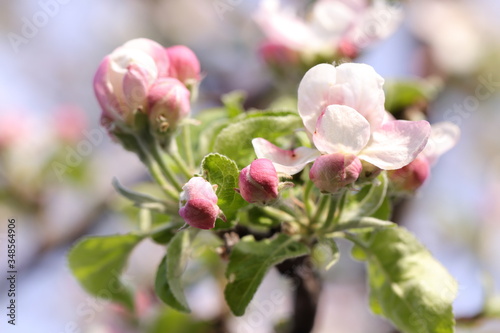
x=343, y=110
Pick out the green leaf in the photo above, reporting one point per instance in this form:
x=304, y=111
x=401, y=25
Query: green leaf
x=400, y=95
x=407, y=285
x=369, y=203
x=257, y=217
x=170, y=321
x=384, y=212
x=325, y=254
x=203, y=135
x=249, y=262
x=140, y=199
x=97, y=263
x=177, y=257
x=222, y=171
x=163, y=290
x=164, y=234
x=235, y=141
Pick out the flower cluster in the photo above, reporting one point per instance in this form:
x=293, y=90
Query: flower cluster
x=342, y=109
x=332, y=28
x=143, y=76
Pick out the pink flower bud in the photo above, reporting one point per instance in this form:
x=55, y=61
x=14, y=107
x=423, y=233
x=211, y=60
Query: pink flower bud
x=125, y=76
x=348, y=49
x=184, y=65
x=276, y=54
x=333, y=171
x=410, y=177
x=198, y=204
x=258, y=182
x=168, y=103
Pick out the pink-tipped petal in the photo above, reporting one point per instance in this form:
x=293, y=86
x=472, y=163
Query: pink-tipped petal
x=285, y=161
x=110, y=105
x=444, y=136
x=136, y=83
x=101, y=89
x=154, y=50
x=313, y=93
x=341, y=129
x=396, y=143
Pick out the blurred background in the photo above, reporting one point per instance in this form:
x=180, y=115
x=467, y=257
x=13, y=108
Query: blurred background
x=56, y=163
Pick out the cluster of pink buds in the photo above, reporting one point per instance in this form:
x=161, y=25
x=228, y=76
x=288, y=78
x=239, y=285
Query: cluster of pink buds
x=142, y=76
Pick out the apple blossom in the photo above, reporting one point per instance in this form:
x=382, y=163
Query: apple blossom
x=124, y=77
x=133, y=77
x=343, y=110
x=444, y=136
x=259, y=182
x=198, y=204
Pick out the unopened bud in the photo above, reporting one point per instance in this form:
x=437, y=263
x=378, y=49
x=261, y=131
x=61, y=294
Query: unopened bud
x=410, y=177
x=259, y=182
x=334, y=171
x=276, y=54
x=168, y=103
x=184, y=65
x=124, y=77
x=198, y=204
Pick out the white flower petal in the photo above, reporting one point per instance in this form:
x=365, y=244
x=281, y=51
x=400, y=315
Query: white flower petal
x=396, y=143
x=355, y=85
x=285, y=161
x=444, y=136
x=341, y=129
x=361, y=88
x=313, y=93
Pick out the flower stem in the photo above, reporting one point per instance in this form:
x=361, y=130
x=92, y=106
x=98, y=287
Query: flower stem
x=319, y=211
x=341, y=205
x=334, y=202
x=177, y=158
x=188, y=149
x=145, y=219
x=278, y=214
x=164, y=169
x=307, y=202
x=157, y=175
x=153, y=162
